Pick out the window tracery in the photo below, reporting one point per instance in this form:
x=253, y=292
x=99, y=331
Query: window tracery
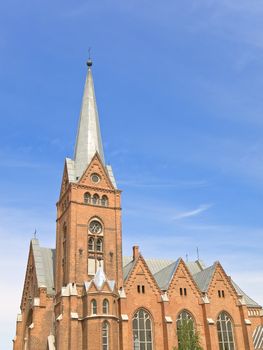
x=185, y=328
x=87, y=198
x=104, y=201
x=142, y=331
x=225, y=332
x=91, y=244
x=99, y=245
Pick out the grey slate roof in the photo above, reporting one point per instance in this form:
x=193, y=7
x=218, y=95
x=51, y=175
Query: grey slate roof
x=45, y=266
x=195, y=266
x=249, y=302
x=127, y=268
x=88, y=140
x=155, y=265
x=203, y=277
x=164, y=276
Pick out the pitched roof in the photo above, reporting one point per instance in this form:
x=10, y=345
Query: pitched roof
x=155, y=265
x=44, y=259
x=249, y=302
x=164, y=276
x=203, y=277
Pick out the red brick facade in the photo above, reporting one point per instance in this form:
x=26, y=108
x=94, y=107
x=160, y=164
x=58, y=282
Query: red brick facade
x=71, y=316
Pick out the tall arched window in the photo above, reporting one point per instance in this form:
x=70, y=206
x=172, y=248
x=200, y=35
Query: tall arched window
x=87, y=198
x=185, y=329
x=99, y=246
x=91, y=244
x=225, y=332
x=95, y=199
x=142, y=331
x=105, y=306
x=105, y=336
x=93, y=307
x=104, y=201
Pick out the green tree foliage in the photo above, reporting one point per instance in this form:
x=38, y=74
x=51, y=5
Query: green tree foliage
x=188, y=338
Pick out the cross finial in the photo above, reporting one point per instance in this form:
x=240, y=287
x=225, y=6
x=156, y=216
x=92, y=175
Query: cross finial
x=89, y=63
x=35, y=234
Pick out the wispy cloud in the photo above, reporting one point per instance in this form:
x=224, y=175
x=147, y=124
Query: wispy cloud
x=155, y=183
x=187, y=214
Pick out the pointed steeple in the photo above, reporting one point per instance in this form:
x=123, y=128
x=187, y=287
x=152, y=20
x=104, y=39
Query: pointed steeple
x=88, y=140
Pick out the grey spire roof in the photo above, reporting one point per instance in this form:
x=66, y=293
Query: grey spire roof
x=100, y=277
x=88, y=140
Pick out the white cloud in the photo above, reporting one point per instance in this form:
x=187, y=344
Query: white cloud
x=187, y=214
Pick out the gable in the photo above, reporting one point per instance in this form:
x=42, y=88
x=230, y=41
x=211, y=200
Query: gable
x=182, y=278
x=220, y=281
x=65, y=181
x=30, y=280
x=141, y=275
x=96, y=167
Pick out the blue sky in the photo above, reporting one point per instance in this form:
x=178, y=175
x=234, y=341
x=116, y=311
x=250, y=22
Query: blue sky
x=179, y=89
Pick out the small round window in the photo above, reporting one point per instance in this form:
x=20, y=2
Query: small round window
x=95, y=178
x=95, y=227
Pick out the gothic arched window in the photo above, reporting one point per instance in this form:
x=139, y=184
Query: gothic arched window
x=87, y=197
x=105, y=336
x=104, y=201
x=185, y=329
x=142, y=331
x=105, y=306
x=95, y=199
x=99, y=245
x=93, y=307
x=225, y=332
x=91, y=244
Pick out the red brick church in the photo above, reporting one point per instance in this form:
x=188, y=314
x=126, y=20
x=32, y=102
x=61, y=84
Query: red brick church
x=85, y=295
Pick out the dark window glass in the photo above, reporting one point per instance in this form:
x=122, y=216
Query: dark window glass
x=94, y=307
x=105, y=306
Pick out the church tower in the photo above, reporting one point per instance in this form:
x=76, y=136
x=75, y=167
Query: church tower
x=82, y=297
x=88, y=270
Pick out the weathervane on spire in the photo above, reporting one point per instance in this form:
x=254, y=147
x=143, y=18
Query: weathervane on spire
x=89, y=63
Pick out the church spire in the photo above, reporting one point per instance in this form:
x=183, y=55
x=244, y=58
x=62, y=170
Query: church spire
x=88, y=140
